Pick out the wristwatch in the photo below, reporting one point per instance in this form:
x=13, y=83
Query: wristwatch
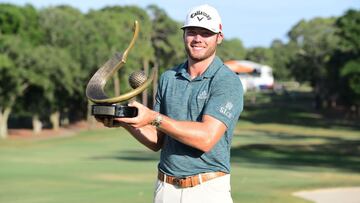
x=157, y=121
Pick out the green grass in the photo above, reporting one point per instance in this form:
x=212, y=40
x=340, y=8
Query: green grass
x=94, y=166
x=268, y=164
x=271, y=159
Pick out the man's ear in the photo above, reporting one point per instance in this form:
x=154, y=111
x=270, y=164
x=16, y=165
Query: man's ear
x=220, y=38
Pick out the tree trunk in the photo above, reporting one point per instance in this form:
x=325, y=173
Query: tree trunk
x=65, y=120
x=145, y=92
x=155, y=84
x=37, y=124
x=4, y=116
x=89, y=118
x=116, y=85
x=88, y=113
x=318, y=100
x=55, y=120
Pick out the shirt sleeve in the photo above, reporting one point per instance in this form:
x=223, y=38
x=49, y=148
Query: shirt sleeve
x=226, y=100
x=158, y=96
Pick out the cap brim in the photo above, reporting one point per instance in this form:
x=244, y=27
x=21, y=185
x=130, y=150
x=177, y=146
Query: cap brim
x=186, y=26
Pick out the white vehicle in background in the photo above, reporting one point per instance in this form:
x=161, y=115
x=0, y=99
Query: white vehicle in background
x=253, y=76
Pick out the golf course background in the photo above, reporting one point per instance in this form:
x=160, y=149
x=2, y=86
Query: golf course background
x=281, y=145
x=303, y=134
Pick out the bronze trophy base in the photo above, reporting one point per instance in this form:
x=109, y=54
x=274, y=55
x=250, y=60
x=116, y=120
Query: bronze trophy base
x=114, y=110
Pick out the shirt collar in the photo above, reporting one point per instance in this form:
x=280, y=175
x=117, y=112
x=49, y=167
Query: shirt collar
x=209, y=72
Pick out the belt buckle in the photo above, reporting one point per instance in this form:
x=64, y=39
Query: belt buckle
x=177, y=182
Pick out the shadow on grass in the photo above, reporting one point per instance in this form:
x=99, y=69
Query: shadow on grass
x=264, y=134
x=130, y=155
x=342, y=155
x=296, y=108
x=284, y=150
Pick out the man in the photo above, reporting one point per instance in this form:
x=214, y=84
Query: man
x=197, y=107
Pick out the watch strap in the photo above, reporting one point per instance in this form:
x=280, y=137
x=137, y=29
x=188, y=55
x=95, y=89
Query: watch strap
x=157, y=121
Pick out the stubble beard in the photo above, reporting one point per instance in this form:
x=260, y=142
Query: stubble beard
x=211, y=51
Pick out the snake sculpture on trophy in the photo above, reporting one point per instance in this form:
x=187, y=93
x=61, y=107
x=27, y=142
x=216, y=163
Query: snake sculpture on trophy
x=110, y=106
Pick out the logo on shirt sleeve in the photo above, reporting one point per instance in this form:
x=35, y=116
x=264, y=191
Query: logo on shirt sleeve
x=226, y=110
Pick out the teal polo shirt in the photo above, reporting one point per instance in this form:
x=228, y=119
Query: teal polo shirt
x=217, y=92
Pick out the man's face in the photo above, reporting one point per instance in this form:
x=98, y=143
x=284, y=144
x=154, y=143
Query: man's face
x=200, y=43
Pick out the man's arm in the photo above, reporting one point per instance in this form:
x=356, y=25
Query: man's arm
x=200, y=135
x=147, y=135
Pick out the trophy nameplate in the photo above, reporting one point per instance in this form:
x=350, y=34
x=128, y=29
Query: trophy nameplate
x=114, y=110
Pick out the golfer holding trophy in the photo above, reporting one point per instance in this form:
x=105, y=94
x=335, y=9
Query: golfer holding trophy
x=197, y=106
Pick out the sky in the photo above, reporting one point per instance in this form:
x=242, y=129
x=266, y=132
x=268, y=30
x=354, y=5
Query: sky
x=254, y=22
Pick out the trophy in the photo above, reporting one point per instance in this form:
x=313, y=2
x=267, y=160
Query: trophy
x=111, y=107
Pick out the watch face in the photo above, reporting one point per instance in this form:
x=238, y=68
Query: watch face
x=157, y=121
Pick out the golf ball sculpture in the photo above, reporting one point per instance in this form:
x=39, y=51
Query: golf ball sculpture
x=136, y=79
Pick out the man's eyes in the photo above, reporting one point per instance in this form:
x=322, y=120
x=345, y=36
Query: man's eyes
x=203, y=34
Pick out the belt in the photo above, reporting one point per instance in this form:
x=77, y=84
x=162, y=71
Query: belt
x=190, y=181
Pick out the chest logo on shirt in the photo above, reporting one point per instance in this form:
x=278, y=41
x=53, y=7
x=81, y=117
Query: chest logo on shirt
x=226, y=110
x=203, y=95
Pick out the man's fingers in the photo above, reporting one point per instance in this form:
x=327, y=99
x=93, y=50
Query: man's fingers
x=134, y=103
x=105, y=121
x=108, y=122
x=127, y=120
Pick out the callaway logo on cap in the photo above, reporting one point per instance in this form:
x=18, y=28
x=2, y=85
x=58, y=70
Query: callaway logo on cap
x=204, y=16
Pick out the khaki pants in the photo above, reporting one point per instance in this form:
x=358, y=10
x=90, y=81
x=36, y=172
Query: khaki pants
x=213, y=191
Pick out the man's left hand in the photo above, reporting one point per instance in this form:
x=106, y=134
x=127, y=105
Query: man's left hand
x=144, y=117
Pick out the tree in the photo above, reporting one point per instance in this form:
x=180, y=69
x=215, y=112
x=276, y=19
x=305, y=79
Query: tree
x=19, y=32
x=315, y=42
x=282, y=54
x=349, y=31
x=52, y=82
x=11, y=19
x=66, y=29
x=348, y=56
x=167, y=39
x=260, y=55
x=21, y=21
x=7, y=99
x=13, y=78
x=231, y=49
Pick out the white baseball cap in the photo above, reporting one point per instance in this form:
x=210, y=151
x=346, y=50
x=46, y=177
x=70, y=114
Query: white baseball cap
x=204, y=16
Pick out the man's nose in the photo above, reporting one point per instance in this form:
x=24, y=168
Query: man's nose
x=197, y=37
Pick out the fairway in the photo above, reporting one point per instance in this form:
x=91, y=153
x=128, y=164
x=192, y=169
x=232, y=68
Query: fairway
x=269, y=163
x=96, y=166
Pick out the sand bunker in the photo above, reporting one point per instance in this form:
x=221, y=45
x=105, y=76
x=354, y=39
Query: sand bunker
x=331, y=195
